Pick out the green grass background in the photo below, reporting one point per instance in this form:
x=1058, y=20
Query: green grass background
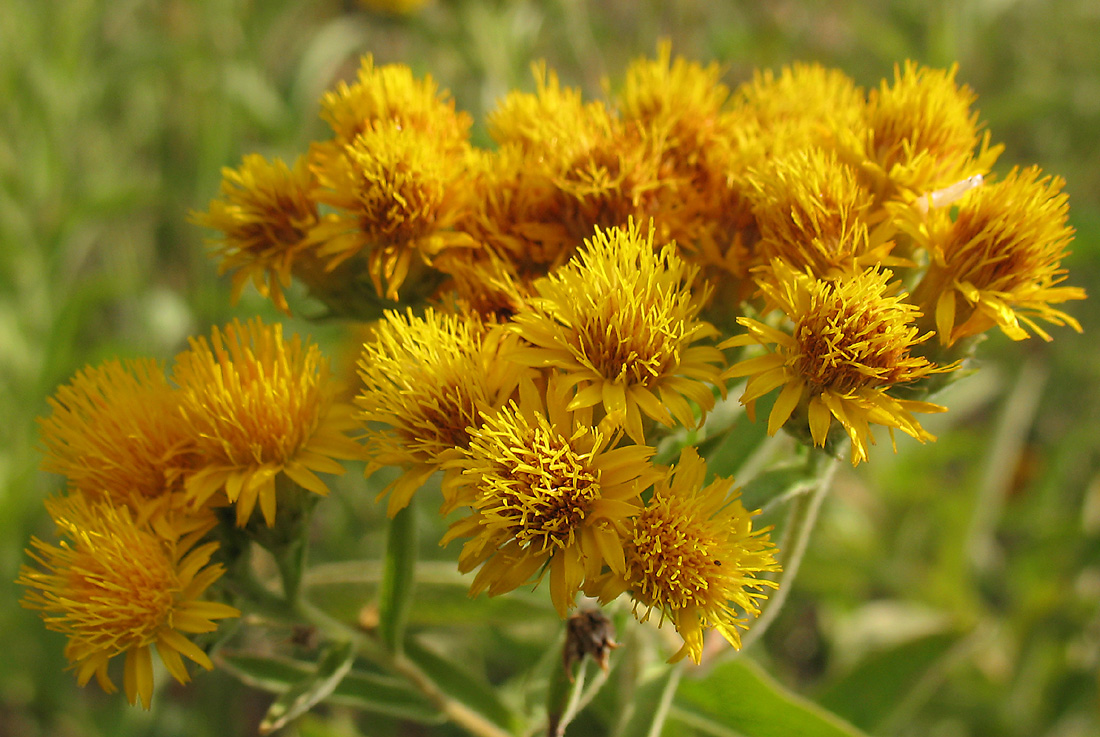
x=952, y=590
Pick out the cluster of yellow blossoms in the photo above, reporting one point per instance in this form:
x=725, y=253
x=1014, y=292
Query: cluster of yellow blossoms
x=544, y=313
x=152, y=463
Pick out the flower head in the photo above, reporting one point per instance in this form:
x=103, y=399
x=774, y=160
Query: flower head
x=620, y=320
x=516, y=212
x=814, y=214
x=920, y=132
x=396, y=197
x=998, y=261
x=850, y=344
x=259, y=407
x=265, y=214
x=682, y=97
x=692, y=554
x=390, y=93
x=117, y=587
x=547, y=489
x=605, y=170
x=426, y=383
x=115, y=433
x=804, y=105
x=553, y=124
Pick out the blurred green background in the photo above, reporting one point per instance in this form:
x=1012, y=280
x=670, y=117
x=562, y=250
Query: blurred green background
x=952, y=590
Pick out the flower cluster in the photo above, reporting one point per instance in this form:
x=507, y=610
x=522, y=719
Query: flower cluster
x=542, y=315
x=151, y=463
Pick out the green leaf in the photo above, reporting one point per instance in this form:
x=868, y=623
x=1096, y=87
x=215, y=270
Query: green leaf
x=462, y=685
x=770, y=485
x=871, y=692
x=335, y=662
x=367, y=692
x=398, y=577
x=739, y=698
x=744, y=437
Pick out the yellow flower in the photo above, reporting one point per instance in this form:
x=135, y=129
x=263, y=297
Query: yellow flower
x=391, y=94
x=998, y=261
x=921, y=134
x=426, y=382
x=813, y=214
x=115, y=433
x=488, y=286
x=620, y=321
x=699, y=202
x=116, y=587
x=805, y=105
x=258, y=408
x=849, y=345
x=605, y=170
x=553, y=125
x=547, y=489
x=517, y=213
x=684, y=98
x=692, y=554
x=396, y=193
x=265, y=215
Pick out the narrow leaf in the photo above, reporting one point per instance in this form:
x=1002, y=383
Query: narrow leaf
x=739, y=696
x=372, y=693
x=336, y=660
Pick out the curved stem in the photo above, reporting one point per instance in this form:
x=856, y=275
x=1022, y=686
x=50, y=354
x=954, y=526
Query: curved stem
x=796, y=538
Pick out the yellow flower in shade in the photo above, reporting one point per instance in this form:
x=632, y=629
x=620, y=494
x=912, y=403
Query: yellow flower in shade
x=605, y=170
x=620, y=320
x=692, y=555
x=426, y=382
x=682, y=97
x=265, y=214
x=547, y=490
x=998, y=261
x=260, y=407
x=487, y=286
x=699, y=203
x=804, y=105
x=814, y=214
x=396, y=194
x=921, y=134
x=553, y=124
x=850, y=344
x=390, y=93
x=114, y=587
x=115, y=433
x=516, y=213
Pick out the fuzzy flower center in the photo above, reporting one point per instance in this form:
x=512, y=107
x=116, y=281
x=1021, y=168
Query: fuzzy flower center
x=677, y=569
x=853, y=338
x=541, y=488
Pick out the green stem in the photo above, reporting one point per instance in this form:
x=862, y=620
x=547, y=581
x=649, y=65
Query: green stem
x=661, y=712
x=796, y=538
x=399, y=663
x=291, y=560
